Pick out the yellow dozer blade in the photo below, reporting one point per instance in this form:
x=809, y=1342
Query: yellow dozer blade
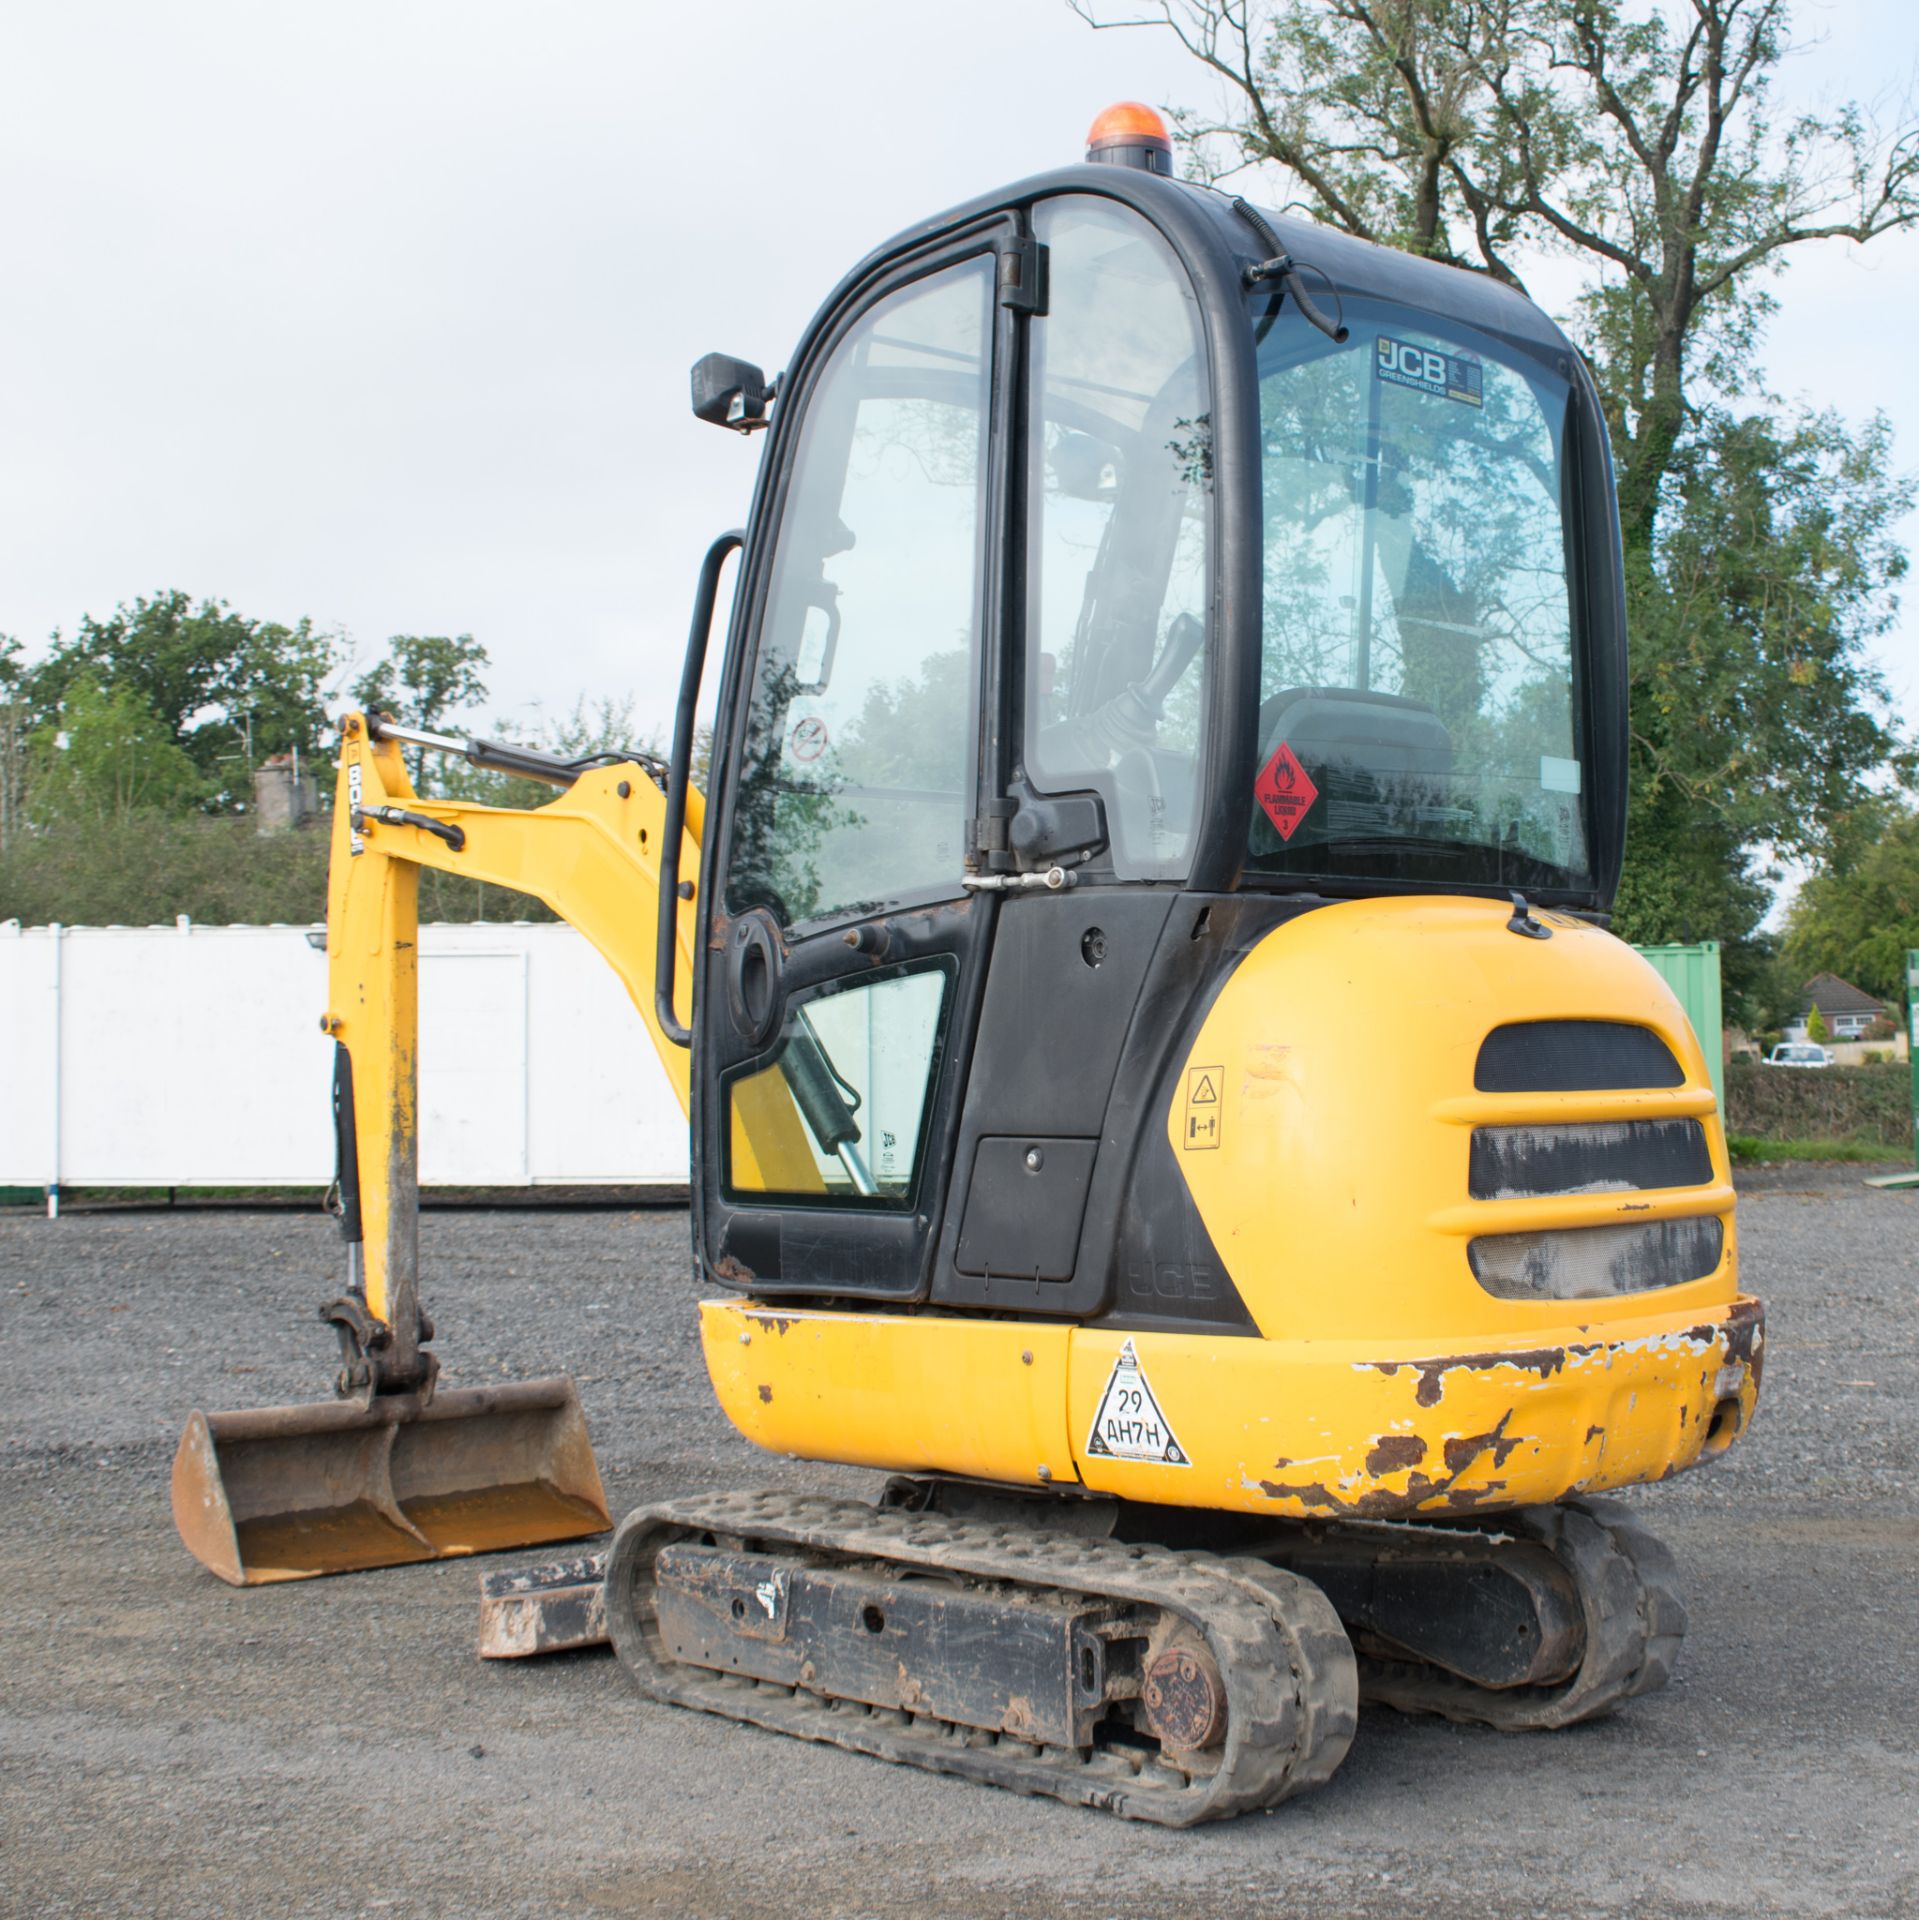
x=285, y=1493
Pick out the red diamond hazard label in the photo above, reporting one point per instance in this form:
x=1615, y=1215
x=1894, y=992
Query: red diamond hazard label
x=1285, y=789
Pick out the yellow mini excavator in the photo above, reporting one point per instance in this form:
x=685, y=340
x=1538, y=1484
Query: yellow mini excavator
x=1161, y=1085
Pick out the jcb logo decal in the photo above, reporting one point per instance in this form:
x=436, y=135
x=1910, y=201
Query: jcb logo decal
x=1456, y=376
x=1411, y=362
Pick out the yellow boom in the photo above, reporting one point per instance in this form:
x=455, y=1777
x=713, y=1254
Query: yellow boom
x=593, y=855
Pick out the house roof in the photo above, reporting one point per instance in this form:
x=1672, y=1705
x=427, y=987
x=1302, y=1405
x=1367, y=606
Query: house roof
x=1830, y=994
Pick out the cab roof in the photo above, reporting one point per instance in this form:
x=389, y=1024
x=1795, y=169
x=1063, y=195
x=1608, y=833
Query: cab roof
x=1357, y=268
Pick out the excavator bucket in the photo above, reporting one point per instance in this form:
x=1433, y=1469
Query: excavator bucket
x=285, y=1493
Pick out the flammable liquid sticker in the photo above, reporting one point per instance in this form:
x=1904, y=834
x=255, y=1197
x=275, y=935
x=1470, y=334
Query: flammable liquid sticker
x=1128, y=1424
x=1285, y=791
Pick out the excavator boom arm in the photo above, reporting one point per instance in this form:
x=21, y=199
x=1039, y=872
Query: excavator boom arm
x=593, y=855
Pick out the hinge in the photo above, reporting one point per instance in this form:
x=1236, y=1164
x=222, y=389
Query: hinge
x=988, y=834
x=1022, y=276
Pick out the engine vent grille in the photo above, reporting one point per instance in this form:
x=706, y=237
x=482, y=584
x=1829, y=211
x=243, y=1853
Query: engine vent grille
x=1589, y=1263
x=1606, y=1156
x=1574, y=1056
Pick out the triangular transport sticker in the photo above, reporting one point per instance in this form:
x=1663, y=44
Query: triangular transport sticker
x=1129, y=1424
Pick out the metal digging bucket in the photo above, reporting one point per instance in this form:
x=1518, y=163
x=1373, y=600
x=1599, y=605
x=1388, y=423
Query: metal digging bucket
x=285, y=1493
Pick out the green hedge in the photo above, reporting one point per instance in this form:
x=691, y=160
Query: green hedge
x=1836, y=1103
x=149, y=867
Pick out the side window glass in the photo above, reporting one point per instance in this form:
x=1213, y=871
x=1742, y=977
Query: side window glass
x=1121, y=489
x=856, y=777
x=836, y=1112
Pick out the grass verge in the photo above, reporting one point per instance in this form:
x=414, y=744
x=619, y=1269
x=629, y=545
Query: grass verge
x=1749, y=1150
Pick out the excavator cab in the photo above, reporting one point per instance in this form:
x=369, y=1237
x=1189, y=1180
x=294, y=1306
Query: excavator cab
x=1102, y=593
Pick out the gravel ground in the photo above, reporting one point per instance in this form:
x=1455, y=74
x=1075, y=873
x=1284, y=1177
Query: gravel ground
x=172, y=1746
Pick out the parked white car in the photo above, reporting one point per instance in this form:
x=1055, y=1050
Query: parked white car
x=1798, y=1053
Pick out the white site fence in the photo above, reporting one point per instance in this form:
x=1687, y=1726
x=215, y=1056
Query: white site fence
x=191, y=1056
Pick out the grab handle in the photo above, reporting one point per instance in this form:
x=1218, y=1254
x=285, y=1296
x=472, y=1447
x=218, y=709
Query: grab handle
x=679, y=769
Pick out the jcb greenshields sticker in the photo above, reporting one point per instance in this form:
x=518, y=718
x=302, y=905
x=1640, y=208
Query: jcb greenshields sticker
x=1453, y=376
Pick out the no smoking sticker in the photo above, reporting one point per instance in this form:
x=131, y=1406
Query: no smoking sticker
x=1128, y=1424
x=1285, y=791
x=808, y=738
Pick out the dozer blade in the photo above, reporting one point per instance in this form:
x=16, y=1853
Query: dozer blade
x=285, y=1493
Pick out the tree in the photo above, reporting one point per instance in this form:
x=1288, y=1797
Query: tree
x=109, y=757
x=15, y=726
x=1645, y=146
x=424, y=678
x=1816, y=1027
x=231, y=690
x=1859, y=919
x=1472, y=131
x=1754, y=703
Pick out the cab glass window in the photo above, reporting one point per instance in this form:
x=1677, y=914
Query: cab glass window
x=1420, y=697
x=835, y=1112
x=855, y=776
x=1117, y=567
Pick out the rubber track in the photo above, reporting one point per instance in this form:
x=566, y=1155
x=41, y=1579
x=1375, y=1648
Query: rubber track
x=1635, y=1623
x=1289, y=1674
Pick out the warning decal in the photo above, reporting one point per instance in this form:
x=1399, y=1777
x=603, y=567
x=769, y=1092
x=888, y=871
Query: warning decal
x=1129, y=1424
x=1456, y=376
x=1202, y=1109
x=1285, y=790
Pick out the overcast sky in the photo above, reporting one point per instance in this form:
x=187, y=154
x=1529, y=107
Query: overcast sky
x=382, y=313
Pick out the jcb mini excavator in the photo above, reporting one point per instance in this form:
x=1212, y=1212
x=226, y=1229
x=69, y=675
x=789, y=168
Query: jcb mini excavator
x=1161, y=1085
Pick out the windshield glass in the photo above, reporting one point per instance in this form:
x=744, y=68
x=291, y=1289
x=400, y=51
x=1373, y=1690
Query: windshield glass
x=1417, y=717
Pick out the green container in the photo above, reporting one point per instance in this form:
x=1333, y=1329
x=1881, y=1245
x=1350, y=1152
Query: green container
x=1912, y=1039
x=1693, y=975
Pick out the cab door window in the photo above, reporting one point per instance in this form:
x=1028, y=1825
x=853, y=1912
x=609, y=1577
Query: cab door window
x=1120, y=485
x=835, y=1113
x=856, y=775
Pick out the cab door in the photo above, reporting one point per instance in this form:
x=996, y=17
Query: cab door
x=842, y=956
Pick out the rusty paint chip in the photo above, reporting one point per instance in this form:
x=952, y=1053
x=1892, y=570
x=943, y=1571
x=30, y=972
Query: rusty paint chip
x=1391, y=1451
x=1463, y=1449
x=1310, y=1495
